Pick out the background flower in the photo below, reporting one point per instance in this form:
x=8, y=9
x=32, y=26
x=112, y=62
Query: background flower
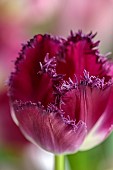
x=93, y=16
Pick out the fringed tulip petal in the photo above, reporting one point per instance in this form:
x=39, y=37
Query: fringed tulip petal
x=48, y=128
x=86, y=104
x=27, y=78
x=102, y=128
x=85, y=56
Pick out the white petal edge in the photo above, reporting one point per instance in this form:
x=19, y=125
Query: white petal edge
x=94, y=137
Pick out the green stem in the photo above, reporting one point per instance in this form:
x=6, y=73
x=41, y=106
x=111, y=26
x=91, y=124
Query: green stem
x=59, y=162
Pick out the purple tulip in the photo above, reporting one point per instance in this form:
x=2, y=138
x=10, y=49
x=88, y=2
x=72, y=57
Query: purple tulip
x=61, y=93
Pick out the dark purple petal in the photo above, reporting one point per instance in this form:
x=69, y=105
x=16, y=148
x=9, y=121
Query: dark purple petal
x=49, y=130
x=86, y=103
x=26, y=83
x=79, y=52
x=102, y=128
x=107, y=117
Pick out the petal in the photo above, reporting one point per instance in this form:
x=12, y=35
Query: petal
x=48, y=130
x=71, y=105
x=86, y=104
x=80, y=52
x=10, y=135
x=25, y=83
x=102, y=128
x=93, y=103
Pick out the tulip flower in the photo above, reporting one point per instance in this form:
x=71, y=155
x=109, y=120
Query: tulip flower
x=61, y=93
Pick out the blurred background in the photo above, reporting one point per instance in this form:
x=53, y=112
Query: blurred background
x=19, y=21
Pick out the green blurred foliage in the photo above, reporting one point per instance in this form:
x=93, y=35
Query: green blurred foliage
x=98, y=158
